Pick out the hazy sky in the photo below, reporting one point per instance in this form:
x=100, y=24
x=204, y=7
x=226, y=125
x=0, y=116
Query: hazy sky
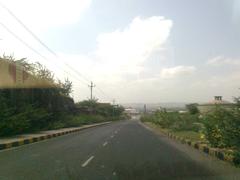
x=133, y=50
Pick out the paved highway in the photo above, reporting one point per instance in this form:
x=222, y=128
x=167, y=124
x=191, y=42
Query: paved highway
x=123, y=150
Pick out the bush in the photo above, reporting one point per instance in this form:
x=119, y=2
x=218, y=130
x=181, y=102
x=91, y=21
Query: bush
x=147, y=118
x=222, y=127
x=192, y=108
x=174, y=121
x=236, y=159
x=30, y=119
x=187, y=122
x=76, y=121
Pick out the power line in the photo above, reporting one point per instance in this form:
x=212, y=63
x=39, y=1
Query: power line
x=100, y=90
x=27, y=45
x=26, y=28
x=18, y=38
x=41, y=42
x=35, y=51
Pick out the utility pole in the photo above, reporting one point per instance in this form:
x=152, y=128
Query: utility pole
x=113, y=106
x=91, y=89
x=145, y=108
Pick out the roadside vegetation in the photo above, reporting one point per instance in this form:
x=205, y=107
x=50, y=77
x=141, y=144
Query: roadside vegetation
x=219, y=128
x=25, y=110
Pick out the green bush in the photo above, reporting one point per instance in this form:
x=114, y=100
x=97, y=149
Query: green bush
x=222, y=127
x=174, y=121
x=147, y=118
x=30, y=119
x=187, y=122
x=236, y=158
x=77, y=120
x=192, y=108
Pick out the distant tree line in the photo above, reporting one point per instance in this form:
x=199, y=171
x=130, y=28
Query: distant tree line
x=104, y=109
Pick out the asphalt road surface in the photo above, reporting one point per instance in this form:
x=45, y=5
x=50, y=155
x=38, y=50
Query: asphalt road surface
x=123, y=150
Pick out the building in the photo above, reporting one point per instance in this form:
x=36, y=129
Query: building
x=131, y=111
x=218, y=100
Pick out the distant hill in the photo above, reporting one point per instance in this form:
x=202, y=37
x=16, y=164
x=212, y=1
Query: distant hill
x=154, y=106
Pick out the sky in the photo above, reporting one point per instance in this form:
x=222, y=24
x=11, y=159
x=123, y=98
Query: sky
x=147, y=51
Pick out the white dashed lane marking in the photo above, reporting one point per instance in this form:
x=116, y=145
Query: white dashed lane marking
x=104, y=144
x=112, y=136
x=87, y=161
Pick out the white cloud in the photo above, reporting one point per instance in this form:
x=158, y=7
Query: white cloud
x=119, y=54
x=46, y=13
x=37, y=16
x=225, y=85
x=221, y=60
x=177, y=71
x=125, y=50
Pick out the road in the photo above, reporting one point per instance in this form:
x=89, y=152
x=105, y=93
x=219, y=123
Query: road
x=124, y=150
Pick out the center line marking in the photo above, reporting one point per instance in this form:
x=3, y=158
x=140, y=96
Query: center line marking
x=104, y=144
x=87, y=161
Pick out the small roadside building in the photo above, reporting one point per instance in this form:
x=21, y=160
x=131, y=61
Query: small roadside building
x=131, y=111
x=218, y=100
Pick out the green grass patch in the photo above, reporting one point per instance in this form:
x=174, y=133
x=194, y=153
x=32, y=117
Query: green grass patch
x=191, y=135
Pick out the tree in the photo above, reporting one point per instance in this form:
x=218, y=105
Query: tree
x=65, y=87
x=192, y=108
x=42, y=72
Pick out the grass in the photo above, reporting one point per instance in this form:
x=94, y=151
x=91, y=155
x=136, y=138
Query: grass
x=77, y=120
x=191, y=135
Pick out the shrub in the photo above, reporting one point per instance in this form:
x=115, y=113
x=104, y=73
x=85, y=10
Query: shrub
x=192, y=108
x=236, y=158
x=187, y=122
x=222, y=127
x=147, y=118
x=30, y=119
x=175, y=121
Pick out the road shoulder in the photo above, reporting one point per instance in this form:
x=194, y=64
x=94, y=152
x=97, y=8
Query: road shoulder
x=198, y=156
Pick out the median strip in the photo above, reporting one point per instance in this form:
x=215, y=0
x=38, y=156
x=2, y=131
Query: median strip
x=8, y=143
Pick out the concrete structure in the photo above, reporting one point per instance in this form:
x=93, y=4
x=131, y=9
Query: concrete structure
x=218, y=100
x=131, y=111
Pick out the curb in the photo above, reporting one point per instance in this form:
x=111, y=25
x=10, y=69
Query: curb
x=214, y=152
x=31, y=140
x=203, y=147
